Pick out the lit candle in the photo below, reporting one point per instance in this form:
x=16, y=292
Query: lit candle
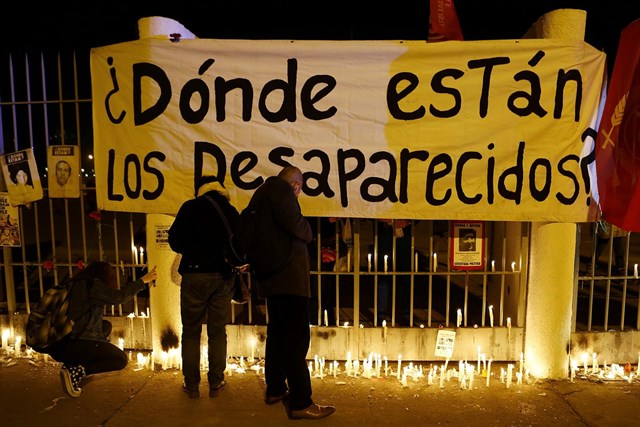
x=386, y=258
x=140, y=360
x=491, y=315
x=326, y=318
x=513, y=266
x=369, y=262
x=399, y=364
x=5, y=339
x=141, y=255
x=384, y=329
x=17, y=345
x=435, y=262
x=493, y=265
x=165, y=360
x=135, y=253
x=488, y=372
x=509, y=374
x=635, y=271
x=459, y=322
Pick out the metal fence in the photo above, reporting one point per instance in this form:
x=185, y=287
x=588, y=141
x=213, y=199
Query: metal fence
x=365, y=271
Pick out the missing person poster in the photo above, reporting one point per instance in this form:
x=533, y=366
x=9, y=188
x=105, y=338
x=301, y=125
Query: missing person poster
x=445, y=342
x=466, y=245
x=63, y=163
x=22, y=177
x=9, y=225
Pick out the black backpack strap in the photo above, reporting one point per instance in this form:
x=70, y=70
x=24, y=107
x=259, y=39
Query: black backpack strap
x=222, y=216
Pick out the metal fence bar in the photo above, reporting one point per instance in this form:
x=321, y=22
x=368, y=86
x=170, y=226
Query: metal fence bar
x=474, y=297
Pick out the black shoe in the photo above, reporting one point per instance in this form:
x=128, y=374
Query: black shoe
x=272, y=400
x=313, y=412
x=214, y=391
x=193, y=393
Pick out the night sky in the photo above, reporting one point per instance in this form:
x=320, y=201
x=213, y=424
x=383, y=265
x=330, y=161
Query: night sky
x=92, y=24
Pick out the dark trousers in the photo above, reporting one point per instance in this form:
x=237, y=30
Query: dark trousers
x=94, y=356
x=204, y=296
x=288, y=338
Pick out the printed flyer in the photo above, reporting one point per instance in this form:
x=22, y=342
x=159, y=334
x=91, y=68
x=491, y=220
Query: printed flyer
x=22, y=177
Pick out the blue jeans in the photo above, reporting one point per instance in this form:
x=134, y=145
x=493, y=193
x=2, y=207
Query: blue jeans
x=204, y=297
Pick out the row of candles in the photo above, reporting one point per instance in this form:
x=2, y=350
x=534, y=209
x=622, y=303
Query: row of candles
x=373, y=366
x=606, y=372
x=459, y=319
x=435, y=264
x=137, y=254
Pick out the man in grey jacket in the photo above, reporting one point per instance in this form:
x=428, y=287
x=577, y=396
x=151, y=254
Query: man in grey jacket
x=287, y=291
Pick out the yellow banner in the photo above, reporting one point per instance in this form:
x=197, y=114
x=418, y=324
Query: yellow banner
x=488, y=130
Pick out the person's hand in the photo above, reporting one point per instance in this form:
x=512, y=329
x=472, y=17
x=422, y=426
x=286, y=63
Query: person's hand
x=150, y=277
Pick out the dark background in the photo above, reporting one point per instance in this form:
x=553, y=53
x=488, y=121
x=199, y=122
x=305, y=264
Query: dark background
x=91, y=24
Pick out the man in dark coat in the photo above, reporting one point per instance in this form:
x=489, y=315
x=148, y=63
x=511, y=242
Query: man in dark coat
x=287, y=291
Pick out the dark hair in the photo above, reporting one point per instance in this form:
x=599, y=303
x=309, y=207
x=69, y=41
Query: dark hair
x=100, y=270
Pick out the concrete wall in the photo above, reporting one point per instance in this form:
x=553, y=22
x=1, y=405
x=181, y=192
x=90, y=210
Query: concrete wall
x=414, y=344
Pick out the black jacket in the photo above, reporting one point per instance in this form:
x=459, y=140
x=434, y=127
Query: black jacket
x=199, y=234
x=284, y=239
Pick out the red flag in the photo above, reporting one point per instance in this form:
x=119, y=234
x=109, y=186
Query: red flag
x=443, y=21
x=618, y=142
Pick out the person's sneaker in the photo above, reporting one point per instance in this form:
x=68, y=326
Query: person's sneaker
x=192, y=392
x=70, y=377
x=214, y=391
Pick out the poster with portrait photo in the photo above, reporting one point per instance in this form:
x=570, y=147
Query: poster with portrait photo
x=63, y=165
x=9, y=222
x=21, y=177
x=466, y=245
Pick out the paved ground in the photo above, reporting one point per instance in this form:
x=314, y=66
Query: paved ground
x=31, y=395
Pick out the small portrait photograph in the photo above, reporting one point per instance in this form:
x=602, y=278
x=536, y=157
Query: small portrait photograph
x=63, y=171
x=20, y=177
x=467, y=241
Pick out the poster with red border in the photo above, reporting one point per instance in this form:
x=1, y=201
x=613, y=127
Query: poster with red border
x=466, y=245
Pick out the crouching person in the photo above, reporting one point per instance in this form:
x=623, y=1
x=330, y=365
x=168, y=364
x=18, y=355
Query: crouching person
x=86, y=350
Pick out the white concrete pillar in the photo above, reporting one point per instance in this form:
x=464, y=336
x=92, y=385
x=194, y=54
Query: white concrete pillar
x=552, y=252
x=166, y=323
